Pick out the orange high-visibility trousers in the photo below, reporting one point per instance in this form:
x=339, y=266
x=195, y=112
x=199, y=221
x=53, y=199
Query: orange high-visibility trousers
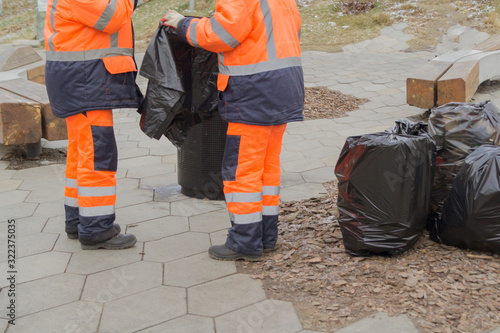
x=251, y=173
x=91, y=164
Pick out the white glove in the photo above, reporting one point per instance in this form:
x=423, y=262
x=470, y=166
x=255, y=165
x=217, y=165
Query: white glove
x=172, y=19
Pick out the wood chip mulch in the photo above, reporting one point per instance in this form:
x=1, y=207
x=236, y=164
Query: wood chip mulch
x=321, y=103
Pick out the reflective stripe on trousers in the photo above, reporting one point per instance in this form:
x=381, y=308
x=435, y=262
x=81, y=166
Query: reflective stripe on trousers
x=91, y=164
x=251, y=173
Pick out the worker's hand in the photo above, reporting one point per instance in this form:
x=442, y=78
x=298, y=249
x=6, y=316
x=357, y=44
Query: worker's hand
x=171, y=18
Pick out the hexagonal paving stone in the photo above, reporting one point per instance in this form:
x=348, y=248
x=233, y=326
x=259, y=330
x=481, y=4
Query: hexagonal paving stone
x=301, y=165
x=176, y=247
x=159, y=228
x=3, y=325
x=186, y=324
x=169, y=194
x=122, y=281
x=192, y=207
x=269, y=316
x=210, y=222
x=301, y=192
x=29, y=225
x=219, y=237
x=196, y=269
x=155, y=169
x=157, y=182
x=46, y=293
x=74, y=317
x=223, y=295
x=92, y=261
x=51, y=194
x=9, y=184
x=12, y=197
x=64, y=244
x=50, y=209
x=144, y=309
x=320, y=176
x=41, y=265
x=132, y=197
x=142, y=212
x=35, y=243
x=55, y=225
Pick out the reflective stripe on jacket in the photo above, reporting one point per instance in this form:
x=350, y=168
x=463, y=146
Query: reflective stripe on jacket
x=260, y=72
x=89, y=56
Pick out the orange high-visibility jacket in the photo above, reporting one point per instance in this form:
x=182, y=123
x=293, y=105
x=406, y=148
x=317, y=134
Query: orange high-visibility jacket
x=260, y=71
x=89, y=56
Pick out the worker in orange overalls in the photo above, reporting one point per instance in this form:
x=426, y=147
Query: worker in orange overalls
x=89, y=71
x=261, y=88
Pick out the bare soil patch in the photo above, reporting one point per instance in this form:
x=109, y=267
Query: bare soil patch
x=18, y=160
x=441, y=288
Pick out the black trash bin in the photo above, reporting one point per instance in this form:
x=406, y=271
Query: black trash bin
x=199, y=160
x=181, y=103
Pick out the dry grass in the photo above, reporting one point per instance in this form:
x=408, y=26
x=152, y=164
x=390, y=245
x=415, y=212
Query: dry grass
x=324, y=27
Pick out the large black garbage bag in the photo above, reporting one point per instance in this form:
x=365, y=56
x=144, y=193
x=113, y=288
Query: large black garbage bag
x=384, y=187
x=182, y=87
x=471, y=213
x=458, y=128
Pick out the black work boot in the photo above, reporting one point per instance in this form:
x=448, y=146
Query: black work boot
x=221, y=252
x=72, y=232
x=109, y=239
x=119, y=242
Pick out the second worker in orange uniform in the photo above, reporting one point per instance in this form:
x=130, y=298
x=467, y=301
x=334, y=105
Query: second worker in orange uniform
x=261, y=88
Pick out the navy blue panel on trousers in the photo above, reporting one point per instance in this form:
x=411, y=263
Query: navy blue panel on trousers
x=77, y=86
x=95, y=225
x=270, y=231
x=72, y=216
x=266, y=99
x=249, y=234
x=105, y=150
x=230, y=159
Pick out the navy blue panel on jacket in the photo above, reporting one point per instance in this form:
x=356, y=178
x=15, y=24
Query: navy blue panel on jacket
x=268, y=98
x=78, y=86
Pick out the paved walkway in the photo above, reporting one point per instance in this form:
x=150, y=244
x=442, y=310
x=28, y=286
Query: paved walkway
x=167, y=283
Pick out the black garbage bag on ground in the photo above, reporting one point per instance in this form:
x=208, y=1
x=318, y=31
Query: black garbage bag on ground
x=458, y=129
x=471, y=213
x=384, y=187
x=182, y=87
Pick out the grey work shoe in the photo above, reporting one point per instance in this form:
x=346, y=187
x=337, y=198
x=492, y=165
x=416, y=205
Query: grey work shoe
x=118, y=242
x=73, y=232
x=221, y=252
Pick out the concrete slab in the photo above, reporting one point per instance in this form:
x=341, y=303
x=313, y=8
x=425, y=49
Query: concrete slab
x=159, y=228
x=82, y=316
x=132, y=313
x=176, y=247
x=7, y=185
x=93, y=261
x=220, y=296
x=185, y=323
x=269, y=316
x=195, y=270
x=40, y=266
x=122, y=281
x=381, y=323
x=193, y=207
x=142, y=212
x=45, y=293
x=210, y=222
x=35, y=244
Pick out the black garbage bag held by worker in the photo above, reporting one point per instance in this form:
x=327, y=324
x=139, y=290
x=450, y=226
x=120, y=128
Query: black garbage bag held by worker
x=261, y=86
x=89, y=71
